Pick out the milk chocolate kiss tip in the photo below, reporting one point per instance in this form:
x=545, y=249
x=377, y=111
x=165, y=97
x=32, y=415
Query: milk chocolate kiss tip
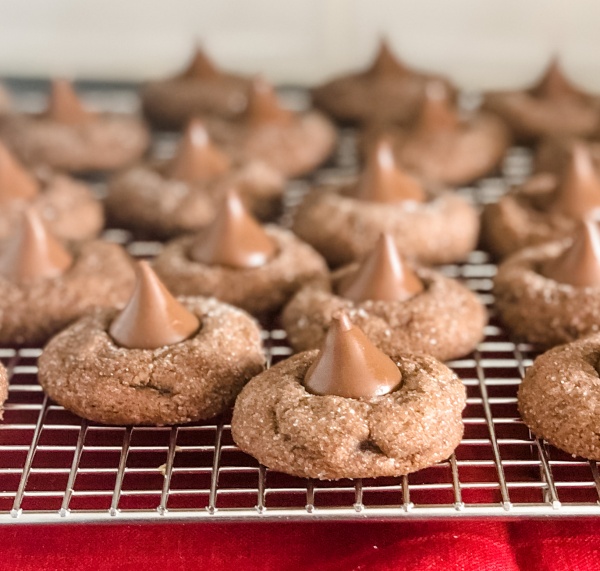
x=386, y=63
x=197, y=159
x=382, y=276
x=234, y=239
x=437, y=111
x=64, y=106
x=152, y=318
x=15, y=182
x=382, y=180
x=263, y=105
x=32, y=252
x=200, y=66
x=578, y=192
x=349, y=365
x=554, y=83
x=579, y=264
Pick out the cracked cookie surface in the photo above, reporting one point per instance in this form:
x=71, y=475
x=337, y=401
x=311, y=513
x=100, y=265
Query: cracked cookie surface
x=559, y=397
x=328, y=437
x=85, y=371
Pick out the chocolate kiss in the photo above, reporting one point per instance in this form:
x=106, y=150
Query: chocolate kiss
x=152, y=318
x=233, y=239
x=554, y=84
x=579, y=264
x=385, y=62
x=200, y=67
x=263, y=105
x=15, y=181
x=382, y=276
x=349, y=365
x=382, y=180
x=197, y=159
x=437, y=112
x=578, y=193
x=32, y=252
x=64, y=106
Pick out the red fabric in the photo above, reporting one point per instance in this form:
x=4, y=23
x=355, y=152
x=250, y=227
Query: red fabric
x=572, y=545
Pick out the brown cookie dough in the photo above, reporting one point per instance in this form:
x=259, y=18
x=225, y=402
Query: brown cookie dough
x=442, y=149
x=3, y=388
x=5, y=102
x=388, y=91
x=101, y=275
x=292, y=143
x=446, y=320
x=69, y=138
x=543, y=310
x=258, y=290
x=546, y=207
x=68, y=207
x=552, y=107
x=553, y=153
x=286, y=428
x=559, y=397
x=200, y=90
x=441, y=230
x=159, y=200
x=85, y=371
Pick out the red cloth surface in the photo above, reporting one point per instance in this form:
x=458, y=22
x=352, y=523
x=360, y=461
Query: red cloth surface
x=572, y=545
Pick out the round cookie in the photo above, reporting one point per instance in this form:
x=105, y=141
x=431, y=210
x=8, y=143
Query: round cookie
x=546, y=207
x=237, y=261
x=67, y=206
x=397, y=308
x=158, y=362
x=68, y=137
x=559, y=397
x=343, y=222
x=388, y=91
x=441, y=148
x=350, y=411
x=44, y=287
x=183, y=195
x=200, y=90
x=550, y=294
x=292, y=143
x=553, y=107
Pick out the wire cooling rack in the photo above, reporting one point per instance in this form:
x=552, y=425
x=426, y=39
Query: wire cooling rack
x=56, y=467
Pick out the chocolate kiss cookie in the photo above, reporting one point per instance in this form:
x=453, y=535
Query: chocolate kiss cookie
x=552, y=107
x=343, y=222
x=44, y=287
x=67, y=206
x=293, y=143
x=441, y=148
x=546, y=207
x=350, y=411
x=239, y=262
x=559, y=397
x=200, y=90
x=387, y=91
x=398, y=308
x=159, y=361
x=183, y=195
x=69, y=137
x=550, y=294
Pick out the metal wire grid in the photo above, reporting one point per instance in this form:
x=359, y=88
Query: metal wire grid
x=56, y=467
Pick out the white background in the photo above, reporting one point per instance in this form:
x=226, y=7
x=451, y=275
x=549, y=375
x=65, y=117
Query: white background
x=479, y=43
